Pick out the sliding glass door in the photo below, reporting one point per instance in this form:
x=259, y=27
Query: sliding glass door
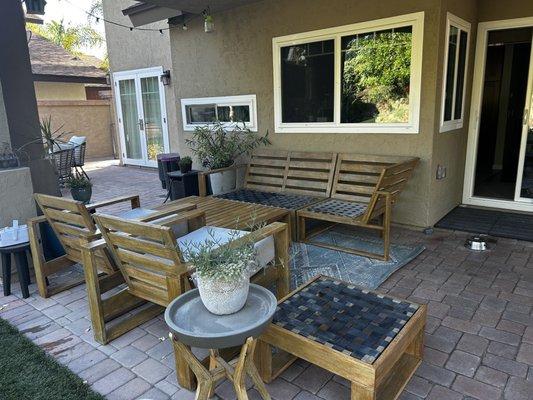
x=141, y=116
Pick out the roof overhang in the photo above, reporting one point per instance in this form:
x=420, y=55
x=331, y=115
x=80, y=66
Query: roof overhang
x=67, y=79
x=143, y=13
x=149, y=11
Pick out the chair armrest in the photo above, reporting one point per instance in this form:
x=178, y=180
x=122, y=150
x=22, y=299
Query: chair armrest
x=169, y=210
x=36, y=220
x=134, y=199
x=94, y=245
x=196, y=217
x=202, y=190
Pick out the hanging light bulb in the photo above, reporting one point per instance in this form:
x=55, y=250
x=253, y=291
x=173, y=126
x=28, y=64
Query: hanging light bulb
x=161, y=31
x=184, y=26
x=209, y=23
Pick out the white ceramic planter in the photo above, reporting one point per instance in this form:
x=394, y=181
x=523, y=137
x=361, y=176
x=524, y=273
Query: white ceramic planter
x=223, y=182
x=223, y=298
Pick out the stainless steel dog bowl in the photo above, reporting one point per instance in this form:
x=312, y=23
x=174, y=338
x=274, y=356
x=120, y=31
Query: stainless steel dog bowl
x=477, y=243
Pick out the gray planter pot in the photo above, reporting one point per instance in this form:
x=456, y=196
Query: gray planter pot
x=82, y=194
x=223, y=182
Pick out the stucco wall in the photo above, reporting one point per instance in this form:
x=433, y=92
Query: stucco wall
x=493, y=10
x=4, y=128
x=16, y=196
x=449, y=148
x=59, y=91
x=129, y=50
x=237, y=59
x=90, y=118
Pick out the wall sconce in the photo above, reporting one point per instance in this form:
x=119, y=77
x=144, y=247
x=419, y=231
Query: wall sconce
x=165, y=78
x=108, y=79
x=35, y=6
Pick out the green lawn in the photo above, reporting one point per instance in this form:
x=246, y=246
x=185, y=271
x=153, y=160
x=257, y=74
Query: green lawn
x=27, y=372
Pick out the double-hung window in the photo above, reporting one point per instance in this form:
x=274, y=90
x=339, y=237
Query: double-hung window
x=455, y=66
x=360, y=78
x=228, y=110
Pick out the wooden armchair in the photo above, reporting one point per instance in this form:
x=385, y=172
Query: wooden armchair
x=152, y=264
x=73, y=225
x=364, y=190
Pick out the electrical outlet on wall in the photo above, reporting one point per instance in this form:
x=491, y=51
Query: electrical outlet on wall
x=441, y=172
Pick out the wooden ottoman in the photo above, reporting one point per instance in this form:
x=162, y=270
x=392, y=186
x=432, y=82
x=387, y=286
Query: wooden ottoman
x=373, y=340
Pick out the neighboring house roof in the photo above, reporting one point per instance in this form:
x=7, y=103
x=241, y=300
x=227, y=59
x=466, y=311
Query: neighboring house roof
x=50, y=62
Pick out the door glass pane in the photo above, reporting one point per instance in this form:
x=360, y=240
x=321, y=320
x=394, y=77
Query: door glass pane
x=130, y=119
x=458, y=111
x=450, y=72
x=153, y=121
x=376, y=75
x=527, y=178
x=307, y=82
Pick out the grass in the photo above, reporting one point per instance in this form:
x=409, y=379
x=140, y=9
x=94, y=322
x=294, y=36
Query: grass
x=28, y=373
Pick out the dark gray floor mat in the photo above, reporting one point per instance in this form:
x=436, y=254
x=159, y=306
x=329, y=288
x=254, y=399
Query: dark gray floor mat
x=489, y=222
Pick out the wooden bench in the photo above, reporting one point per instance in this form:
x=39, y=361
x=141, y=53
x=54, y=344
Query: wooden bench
x=284, y=179
x=364, y=189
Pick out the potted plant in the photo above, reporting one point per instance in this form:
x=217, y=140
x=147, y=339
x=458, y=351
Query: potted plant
x=222, y=272
x=80, y=187
x=217, y=147
x=185, y=164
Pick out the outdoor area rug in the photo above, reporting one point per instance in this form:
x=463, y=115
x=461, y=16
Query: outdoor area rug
x=27, y=373
x=489, y=222
x=308, y=261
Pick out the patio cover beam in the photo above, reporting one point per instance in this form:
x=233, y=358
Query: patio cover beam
x=197, y=6
x=142, y=13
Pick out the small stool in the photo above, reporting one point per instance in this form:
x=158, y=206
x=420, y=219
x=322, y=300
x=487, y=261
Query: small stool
x=21, y=261
x=192, y=325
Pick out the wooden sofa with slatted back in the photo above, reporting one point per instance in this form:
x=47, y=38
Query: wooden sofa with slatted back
x=364, y=190
x=153, y=265
x=73, y=225
x=285, y=179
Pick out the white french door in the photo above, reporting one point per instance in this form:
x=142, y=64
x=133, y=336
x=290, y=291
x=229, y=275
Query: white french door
x=142, y=116
x=523, y=189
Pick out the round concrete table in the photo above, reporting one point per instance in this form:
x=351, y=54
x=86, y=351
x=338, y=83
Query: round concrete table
x=191, y=324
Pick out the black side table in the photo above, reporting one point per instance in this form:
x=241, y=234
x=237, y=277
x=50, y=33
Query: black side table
x=21, y=261
x=183, y=185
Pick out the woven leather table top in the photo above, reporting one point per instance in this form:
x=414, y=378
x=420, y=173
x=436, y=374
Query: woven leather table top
x=280, y=200
x=351, y=320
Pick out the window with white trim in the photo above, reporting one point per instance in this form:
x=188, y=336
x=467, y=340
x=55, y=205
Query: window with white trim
x=455, y=68
x=229, y=110
x=359, y=78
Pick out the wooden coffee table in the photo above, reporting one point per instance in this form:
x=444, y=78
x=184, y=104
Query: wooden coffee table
x=373, y=340
x=232, y=214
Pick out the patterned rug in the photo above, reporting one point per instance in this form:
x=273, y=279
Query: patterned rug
x=308, y=261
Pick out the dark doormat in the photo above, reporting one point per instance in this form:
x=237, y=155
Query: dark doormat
x=489, y=222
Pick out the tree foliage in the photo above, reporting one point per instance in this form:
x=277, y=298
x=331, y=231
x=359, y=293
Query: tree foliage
x=71, y=37
x=376, y=76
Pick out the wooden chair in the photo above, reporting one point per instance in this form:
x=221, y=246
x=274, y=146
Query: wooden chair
x=73, y=225
x=285, y=179
x=150, y=259
x=364, y=189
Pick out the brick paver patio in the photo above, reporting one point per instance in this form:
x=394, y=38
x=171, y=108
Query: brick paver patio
x=479, y=341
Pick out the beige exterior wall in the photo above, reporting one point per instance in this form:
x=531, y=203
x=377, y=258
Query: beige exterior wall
x=59, y=91
x=237, y=59
x=130, y=50
x=494, y=10
x=90, y=118
x=16, y=196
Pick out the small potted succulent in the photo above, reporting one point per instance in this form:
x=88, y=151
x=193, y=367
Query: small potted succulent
x=222, y=272
x=80, y=187
x=185, y=164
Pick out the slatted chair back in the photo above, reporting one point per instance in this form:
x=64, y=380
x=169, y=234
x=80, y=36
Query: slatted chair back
x=267, y=170
x=393, y=180
x=310, y=174
x=73, y=225
x=148, y=257
x=303, y=173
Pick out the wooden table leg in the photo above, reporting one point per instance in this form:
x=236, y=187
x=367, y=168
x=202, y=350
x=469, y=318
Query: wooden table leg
x=264, y=361
x=185, y=375
x=206, y=382
x=250, y=368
